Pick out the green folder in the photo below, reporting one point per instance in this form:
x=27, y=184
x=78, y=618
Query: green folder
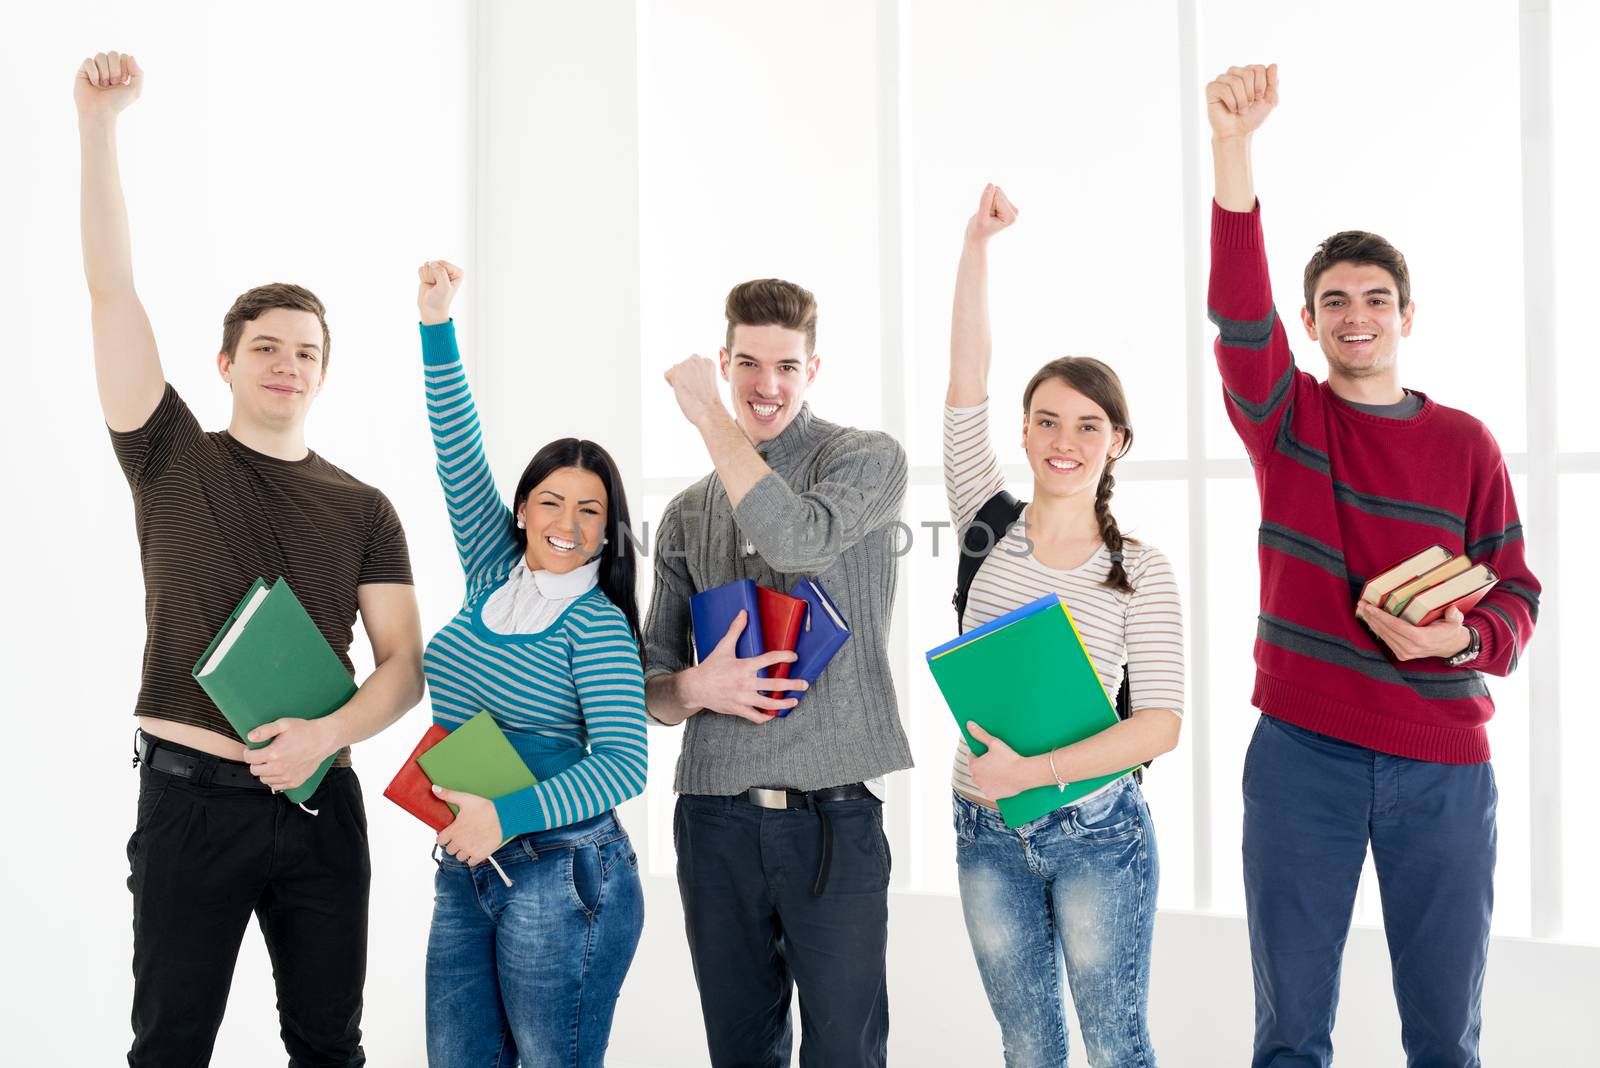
x=476, y=758
x=269, y=661
x=1027, y=679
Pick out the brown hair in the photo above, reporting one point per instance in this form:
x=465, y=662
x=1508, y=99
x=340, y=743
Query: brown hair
x=1100, y=384
x=772, y=302
x=1358, y=246
x=251, y=303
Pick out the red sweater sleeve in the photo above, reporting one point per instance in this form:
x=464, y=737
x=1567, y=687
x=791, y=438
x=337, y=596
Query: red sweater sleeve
x=1504, y=619
x=1252, y=349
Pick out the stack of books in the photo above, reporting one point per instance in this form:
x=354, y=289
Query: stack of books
x=1423, y=587
x=804, y=621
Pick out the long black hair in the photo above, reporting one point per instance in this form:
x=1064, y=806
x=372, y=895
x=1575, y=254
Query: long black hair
x=616, y=562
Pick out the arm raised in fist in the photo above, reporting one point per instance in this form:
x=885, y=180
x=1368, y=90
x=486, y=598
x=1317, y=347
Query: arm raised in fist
x=127, y=366
x=995, y=213
x=438, y=283
x=971, y=349
x=106, y=83
x=1238, y=101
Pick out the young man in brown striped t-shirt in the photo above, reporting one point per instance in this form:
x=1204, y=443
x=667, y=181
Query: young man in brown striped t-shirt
x=212, y=844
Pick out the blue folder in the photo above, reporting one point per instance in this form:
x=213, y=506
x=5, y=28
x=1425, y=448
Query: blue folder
x=713, y=612
x=823, y=633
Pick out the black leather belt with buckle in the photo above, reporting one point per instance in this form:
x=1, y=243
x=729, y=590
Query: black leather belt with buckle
x=768, y=797
x=192, y=764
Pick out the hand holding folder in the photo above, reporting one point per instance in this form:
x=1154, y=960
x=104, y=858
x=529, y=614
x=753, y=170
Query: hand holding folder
x=476, y=758
x=269, y=662
x=1027, y=679
x=804, y=621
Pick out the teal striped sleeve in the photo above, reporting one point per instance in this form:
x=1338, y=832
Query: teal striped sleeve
x=479, y=519
x=610, y=685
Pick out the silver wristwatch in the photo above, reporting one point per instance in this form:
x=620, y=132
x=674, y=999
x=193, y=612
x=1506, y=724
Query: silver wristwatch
x=1469, y=654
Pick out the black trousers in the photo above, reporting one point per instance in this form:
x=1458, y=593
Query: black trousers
x=203, y=858
x=756, y=931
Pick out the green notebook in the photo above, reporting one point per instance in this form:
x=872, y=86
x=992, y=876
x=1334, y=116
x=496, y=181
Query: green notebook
x=477, y=758
x=269, y=661
x=1027, y=679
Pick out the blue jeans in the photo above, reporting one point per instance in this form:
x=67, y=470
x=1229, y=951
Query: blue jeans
x=1311, y=805
x=1077, y=885
x=532, y=970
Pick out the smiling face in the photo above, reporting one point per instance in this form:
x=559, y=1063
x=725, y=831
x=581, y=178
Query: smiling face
x=1068, y=439
x=275, y=370
x=1357, y=320
x=565, y=519
x=768, y=371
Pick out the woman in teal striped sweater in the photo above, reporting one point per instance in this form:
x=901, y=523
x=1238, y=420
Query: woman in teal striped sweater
x=546, y=640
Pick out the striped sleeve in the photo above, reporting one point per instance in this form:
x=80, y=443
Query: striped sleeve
x=1505, y=617
x=479, y=519
x=610, y=685
x=1258, y=372
x=972, y=472
x=1153, y=633
x=144, y=453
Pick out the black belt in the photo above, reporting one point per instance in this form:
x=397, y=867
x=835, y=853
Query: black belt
x=785, y=798
x=173, y=759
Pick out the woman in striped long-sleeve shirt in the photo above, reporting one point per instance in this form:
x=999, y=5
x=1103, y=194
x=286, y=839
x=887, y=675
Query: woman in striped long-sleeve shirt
x=1077, y=886
x=546, y=641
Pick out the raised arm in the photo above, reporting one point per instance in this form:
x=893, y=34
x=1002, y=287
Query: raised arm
x=479, y=520
x=1238, y=101
x=972, y=471
x=970, y=343
x=127, y=367
x=1258, y=373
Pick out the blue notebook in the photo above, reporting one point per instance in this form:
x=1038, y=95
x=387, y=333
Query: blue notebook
x=823, y=633
x=713, y=611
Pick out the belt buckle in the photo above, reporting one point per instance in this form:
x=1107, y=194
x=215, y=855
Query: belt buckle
x=767, y=798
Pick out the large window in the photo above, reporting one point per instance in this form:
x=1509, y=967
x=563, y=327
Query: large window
x=858, y=183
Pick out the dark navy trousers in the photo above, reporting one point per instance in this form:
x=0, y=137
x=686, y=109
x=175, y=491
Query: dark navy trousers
x=757, y=929
x=1312, y=805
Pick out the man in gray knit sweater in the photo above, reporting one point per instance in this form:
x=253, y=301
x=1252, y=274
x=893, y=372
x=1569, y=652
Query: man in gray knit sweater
x=782, y=860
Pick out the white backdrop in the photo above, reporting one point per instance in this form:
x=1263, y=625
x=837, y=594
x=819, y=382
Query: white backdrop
x=604, y=173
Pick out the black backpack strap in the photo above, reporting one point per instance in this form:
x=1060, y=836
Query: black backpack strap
x=978, y=539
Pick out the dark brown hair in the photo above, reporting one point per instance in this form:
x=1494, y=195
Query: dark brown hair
x=773, y=302
x=1358, y=246
x=1100, y=384
x=251, y=303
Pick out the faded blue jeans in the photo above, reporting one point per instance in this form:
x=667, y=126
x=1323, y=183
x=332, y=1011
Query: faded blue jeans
x=532, y=970
x=1077, y=886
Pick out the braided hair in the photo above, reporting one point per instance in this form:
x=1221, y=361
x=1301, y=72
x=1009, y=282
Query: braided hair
x=1100, y=384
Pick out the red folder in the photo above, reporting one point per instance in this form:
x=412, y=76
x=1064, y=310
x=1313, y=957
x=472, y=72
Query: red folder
x=781, y=618
x=412, y=790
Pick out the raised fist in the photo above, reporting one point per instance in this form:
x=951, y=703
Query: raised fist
x=439, y=281
x=1240, y=99
x=106, y=83
x=994, y=214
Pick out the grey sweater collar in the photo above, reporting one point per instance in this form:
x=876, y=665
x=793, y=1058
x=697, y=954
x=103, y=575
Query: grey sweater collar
x=795, y=440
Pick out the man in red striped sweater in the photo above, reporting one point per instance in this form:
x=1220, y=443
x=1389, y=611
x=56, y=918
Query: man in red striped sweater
x=1372, y=729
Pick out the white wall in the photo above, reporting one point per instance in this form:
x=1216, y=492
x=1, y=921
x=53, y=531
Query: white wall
x=505, y=136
